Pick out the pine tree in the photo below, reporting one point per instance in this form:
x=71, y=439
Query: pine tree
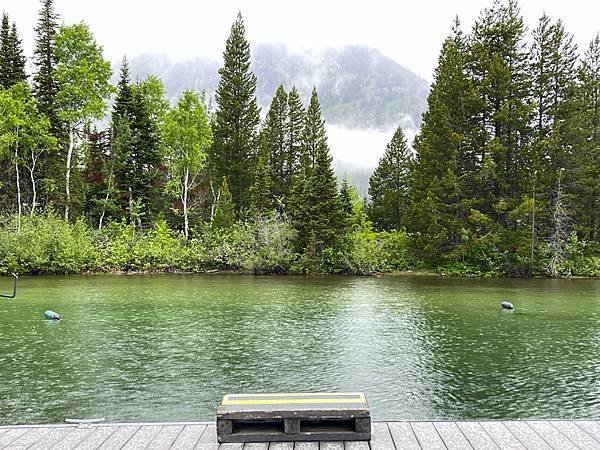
x=45, y=85
x=5, y=54
x=499, y=68
x=141, y=173
x=346, y=204
x=442, y=180
x=295, y=128
x=12, y=61
x=235, y=146
x=260, y=192
x=273, y=138
x=316, y=209
x=224, y=216
x=388, y=186
x=587, y=144
x=123, y=101
x=18, y=58
x=553, y=58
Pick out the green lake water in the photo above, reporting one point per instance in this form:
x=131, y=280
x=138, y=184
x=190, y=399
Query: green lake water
x=163, y=348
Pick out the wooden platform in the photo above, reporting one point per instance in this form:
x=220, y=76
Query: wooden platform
x=558, y=434
x=340, y=416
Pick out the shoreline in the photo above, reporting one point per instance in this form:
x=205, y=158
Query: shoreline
x=247, y=273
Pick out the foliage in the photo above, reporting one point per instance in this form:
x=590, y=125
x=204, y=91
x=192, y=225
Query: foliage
x=12, y=60
x=235, y=147
x=388, y=186
x=187, y=137
x=225, y=208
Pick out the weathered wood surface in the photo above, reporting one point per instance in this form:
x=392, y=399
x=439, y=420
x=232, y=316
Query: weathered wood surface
x=287, y=417
x=530, y=434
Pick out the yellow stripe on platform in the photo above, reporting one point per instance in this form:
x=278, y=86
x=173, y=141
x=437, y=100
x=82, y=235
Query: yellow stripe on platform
x=279, y=399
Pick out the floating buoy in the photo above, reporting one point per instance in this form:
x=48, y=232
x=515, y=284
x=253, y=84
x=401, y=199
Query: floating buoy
x=507, y=305
x=51, y=315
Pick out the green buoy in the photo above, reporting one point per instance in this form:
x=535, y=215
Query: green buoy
x=51, y=315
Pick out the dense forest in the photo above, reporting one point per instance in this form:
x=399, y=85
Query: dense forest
x=502, y=179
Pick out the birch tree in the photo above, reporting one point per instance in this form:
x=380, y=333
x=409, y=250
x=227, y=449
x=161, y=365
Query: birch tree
x=188, y=137
x=83, y=77
x=24, y=137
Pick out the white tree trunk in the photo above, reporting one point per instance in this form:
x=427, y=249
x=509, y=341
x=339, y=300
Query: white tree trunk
x=106, y=197
x=33, y=182
x=68, y=172
x=186, y=181
x=18, y=182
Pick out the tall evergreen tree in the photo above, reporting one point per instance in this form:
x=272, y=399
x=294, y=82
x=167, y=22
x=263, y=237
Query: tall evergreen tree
x=12, y=61
x=18, y=58
x=45, y=85
x=499, y=68
x=140, y=175
x=297, y=116
x=5, y=58
x=316, y=208
x=261, y=191
x=553, y=59
x=588, y=145
x=388, y=186
x=273, y=139
x=346, y=204
x=123, y=102
x=224, y=216
x=235, y=145
x=442, y=179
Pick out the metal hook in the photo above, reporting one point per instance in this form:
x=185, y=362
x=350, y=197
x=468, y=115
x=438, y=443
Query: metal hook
x=14, y=292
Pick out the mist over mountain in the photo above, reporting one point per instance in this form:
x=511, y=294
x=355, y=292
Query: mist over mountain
x=364, y=95
x=358, y=86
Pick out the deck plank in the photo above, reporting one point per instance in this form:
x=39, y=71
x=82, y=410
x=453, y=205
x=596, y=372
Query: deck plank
x=453, y=438
x=120, y=437
x=74, y=438
x=590, y=427
x=502, y=436
x=477, y=436
x=208, y=440
x=576, y=434
x=306, y=445
x=142, y=437
x=381, y=439
x=403, y=436
x=52, y=438
x=28, y=438
x=11, y=435
x=512, y=435
x=189, y=436
x=356, y=445
x=278, y=446
x=258, y=446
x=329, y=445
x=233, y=446
x=528, y=437
x=427, y=435
x=165, y=437
x=97, y=437
x=551, y=434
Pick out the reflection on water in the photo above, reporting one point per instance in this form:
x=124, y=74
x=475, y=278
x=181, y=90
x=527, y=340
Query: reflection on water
x=168, y=347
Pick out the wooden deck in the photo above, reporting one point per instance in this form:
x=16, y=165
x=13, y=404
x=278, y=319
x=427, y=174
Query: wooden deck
x=557, y=434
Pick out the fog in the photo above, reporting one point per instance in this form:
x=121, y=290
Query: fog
x=409, y=32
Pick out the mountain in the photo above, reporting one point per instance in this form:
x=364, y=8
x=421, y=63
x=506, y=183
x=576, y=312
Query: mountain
x=358, y=86
x=364, y=95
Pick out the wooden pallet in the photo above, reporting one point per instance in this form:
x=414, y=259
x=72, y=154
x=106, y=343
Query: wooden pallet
x=294, y=417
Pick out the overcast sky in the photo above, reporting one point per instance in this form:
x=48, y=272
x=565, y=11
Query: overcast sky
x=409, y=32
